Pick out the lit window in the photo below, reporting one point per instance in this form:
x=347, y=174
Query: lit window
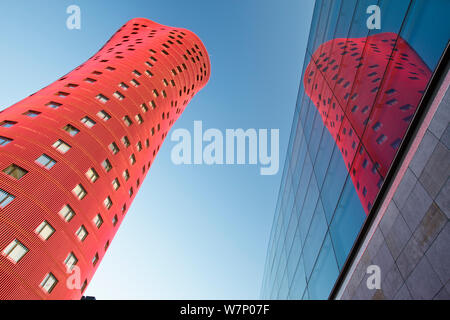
x=49, y=283
x=118, y=95
x=61, y=146
x=15, y=171
x=92, y=175
x=134, y=83
x=116, y=184
x=107, y=203
x=132, y=159
x=103, y=115
x=127, y=120
x=45, y=230
x=5, y=198
x=53, y=105
x=123, y=86
x=125, y=141
x=79, y=191
x=126, y=175
x=98, y=221
x=7, y=124
x=4, y=141
x=95, y=259
x=45, y=161
x=67, y=213
x=102, y=98
x=88, y=122
x=81, y=233
x=70, y=261
x=15, y=251
x=32, y=113
x=138, y=118
x=113, y=148
x=115, y=220
x=106, y=165
x=71, y=130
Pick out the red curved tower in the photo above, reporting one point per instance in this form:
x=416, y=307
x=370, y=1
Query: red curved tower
x=74, y=154
x=366, y=115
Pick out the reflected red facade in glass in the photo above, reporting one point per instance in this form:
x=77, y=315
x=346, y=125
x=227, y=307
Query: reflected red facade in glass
x=367, y=116
x=74, y=154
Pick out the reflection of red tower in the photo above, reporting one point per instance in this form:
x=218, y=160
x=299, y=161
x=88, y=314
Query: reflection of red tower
x=366, y=90
x=74, y=154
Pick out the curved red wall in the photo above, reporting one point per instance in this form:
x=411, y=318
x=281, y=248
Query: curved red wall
x=172, y=66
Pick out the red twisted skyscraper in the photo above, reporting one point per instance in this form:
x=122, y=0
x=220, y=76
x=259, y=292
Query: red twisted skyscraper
x=74, y=154
x=366, y=115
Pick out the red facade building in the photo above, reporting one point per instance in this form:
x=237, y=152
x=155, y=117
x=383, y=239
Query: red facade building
x=366, y=116
x=74, y=154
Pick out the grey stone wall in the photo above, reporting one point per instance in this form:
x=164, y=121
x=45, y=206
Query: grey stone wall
x=411, y=243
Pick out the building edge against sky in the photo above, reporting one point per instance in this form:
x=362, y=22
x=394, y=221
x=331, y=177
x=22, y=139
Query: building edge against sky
x=74, y=154
x=346, y=159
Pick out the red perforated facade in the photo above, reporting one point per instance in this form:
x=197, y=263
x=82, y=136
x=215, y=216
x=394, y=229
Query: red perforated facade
x=73, y=155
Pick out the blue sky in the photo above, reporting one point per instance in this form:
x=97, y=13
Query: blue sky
x=193, y=232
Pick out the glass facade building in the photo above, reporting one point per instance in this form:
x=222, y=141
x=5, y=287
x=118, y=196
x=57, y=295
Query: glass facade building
x=360, y=89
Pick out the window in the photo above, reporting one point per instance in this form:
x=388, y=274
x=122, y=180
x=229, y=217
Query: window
x=106, y=165
x=15, y=171
x=153, y=104
x=126, y=175
x=115, y=220
x=67, y=213
x=62, y=94
x=90, y=80
x=83, y=286
x=113, y=148
x=127, y=121
x=98, y=221
x=118, y=95
x=70, y=129
x=4, y=141
x=107, y=203
x=132, y=159
x=123, y=86
x=116, y=184
x=5, y=198
x=106, y=245
x=53, y=105
x=15, y=251
x=79, y=192
x=95, y=259
x=125, y=141
x=135, y=83
x=136, y=73
x=81, y=233
x=138, y=118
x=70, y=261
x=144, y=107
x=45, y=161
x=130, y=192
x=92, y=175
x=88, y=122
x=61, y=146
x=102, y=114
x=49, y=283
x=45, y=230
x=102, y=98
x=7, y=124
x=32, y=113
x=147, y=143
x=139, y=146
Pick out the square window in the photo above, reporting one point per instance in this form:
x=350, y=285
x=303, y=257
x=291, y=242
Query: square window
x=102, y=98
x=125, y=141
x=32, y=113
x=45, y=161
x=49, y=283
x=123, y=86
x=61, y=146
x=5, y=198
x=115, y=220
x=53, y=105
x=4, y=141
x=126, y=175
x=135, y=83
x=98, y=221
x=95, y=259
x=15, y=251
x=15, y=171
x=45, y=230
x=88, y=122
x=81, y=233
x=127, y=121
x=79, y=192
x=107, y=203
x=7, y=124
x=106, y=165
x=144, y=107
x=113, y=148
x=70, y=261
x=102, y=114
x=67, y=213
x=132, y=159
x=139, y=119
x=70, y=129
x=92, y=175
x=116, y=184
x=118, y=95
